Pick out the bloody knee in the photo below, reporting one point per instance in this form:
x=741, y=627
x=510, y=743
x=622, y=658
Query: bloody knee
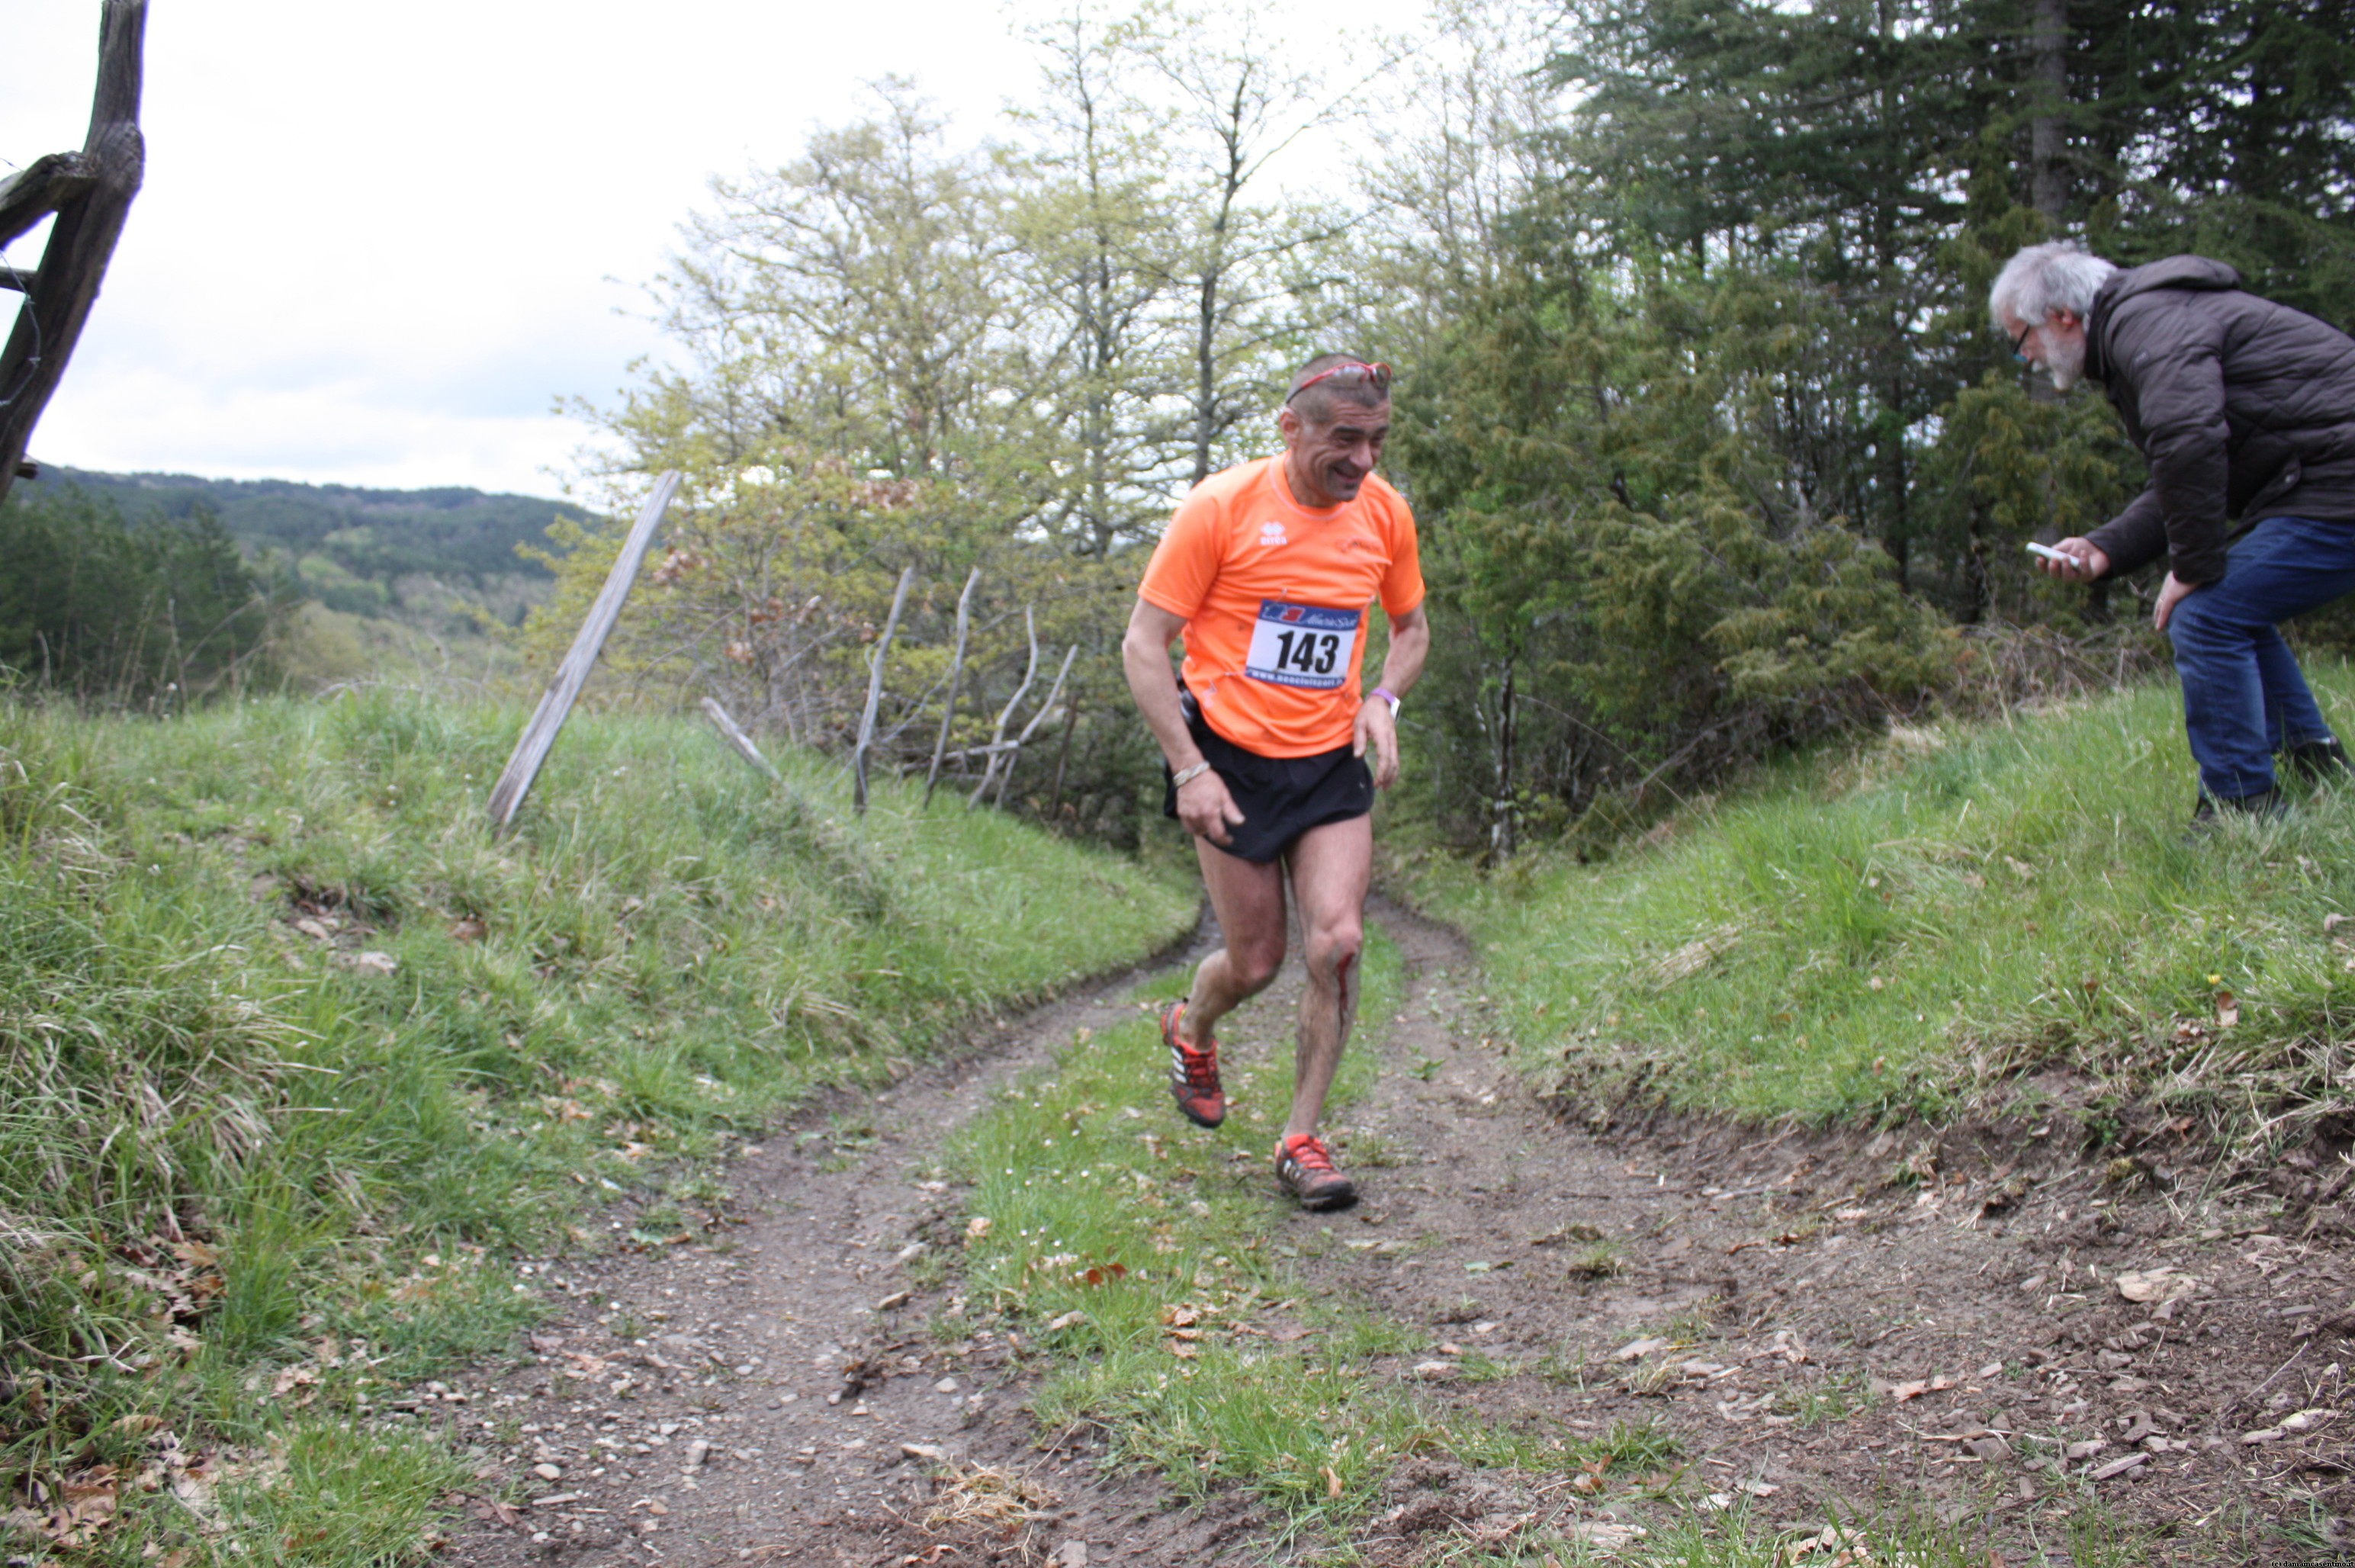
x=1333, y=952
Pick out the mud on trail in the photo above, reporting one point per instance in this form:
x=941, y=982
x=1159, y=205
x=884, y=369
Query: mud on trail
x=1994, y=1336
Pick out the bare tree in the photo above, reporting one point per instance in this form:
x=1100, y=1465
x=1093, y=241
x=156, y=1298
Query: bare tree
x=89, y=192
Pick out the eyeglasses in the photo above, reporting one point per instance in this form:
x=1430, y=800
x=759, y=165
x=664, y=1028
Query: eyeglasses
x=2020, y=343
x=1352, y=374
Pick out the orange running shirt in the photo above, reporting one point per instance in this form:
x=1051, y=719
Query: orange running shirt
x=1274, y=596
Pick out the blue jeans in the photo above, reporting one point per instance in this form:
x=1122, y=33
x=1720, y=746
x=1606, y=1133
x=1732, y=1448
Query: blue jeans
x=2243, y=696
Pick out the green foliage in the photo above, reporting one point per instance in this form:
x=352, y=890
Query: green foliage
x=898, y=352
x=290, y=1045
x=1907, y=930
x=380, y=535
x=1647, y=595
x=154, y=615
x=1704, y=417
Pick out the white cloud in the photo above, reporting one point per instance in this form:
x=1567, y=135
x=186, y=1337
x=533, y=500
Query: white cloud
x=376, y=243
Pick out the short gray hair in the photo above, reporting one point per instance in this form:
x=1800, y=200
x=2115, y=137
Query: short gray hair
x=2045, y=278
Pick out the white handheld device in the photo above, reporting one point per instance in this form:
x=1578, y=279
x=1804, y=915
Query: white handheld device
x=2049, y=553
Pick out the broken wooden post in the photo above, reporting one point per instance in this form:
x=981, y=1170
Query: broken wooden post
x=956, y=682
x=997, y=736
x=875, y=694
x=91, y=193
x=1062, y=760
x=539, y=735
x=1022, y=740
x=739, y=742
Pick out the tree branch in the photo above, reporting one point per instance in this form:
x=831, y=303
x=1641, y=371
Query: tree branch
x=32, y=192
x=82, y=241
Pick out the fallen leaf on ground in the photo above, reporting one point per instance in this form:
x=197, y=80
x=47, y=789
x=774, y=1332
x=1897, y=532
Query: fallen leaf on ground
x=1601, y=1536
x=1635, y=1349
x=2161, y=1284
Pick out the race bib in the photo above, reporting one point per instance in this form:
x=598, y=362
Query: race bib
x=1300, y=644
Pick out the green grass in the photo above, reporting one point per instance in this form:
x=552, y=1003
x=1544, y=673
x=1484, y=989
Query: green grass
x=1897, y=932
x=1153, y=1263
x=294, y=1055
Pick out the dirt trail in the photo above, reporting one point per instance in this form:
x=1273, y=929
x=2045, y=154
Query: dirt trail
x=1824, y=1344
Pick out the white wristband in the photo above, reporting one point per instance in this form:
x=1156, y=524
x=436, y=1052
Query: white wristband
x=1185, y=776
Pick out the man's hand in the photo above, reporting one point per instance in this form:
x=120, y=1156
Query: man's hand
x=1377, y=727
x=2172, y=593
x=1204, y=807
x=2086, y=561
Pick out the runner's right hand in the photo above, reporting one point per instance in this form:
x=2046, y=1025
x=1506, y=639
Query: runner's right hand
x=1204, y=807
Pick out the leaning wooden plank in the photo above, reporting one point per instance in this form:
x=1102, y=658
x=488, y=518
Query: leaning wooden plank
x=1024, y=739
x=113, y=161
x=539, y=735
x=1005, y=714
x=956, y=682
x=733, y=733
x=875, y=694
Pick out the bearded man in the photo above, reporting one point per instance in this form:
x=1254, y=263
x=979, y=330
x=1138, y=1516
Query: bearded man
x=2245, y=411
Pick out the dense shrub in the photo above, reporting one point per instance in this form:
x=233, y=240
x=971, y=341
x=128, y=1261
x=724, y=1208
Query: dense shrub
x=152, y=616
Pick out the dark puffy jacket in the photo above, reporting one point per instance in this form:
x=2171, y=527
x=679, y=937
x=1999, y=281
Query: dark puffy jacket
x=2244, y=409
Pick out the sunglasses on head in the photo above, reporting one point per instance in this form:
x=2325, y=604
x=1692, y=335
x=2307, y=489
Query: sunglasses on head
x=1353, y=374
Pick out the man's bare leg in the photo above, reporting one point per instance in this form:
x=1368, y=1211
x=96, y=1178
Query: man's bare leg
x=1248, y=899
x=1332, y=867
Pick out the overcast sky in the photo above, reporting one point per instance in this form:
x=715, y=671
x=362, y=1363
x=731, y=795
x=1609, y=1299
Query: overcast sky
x=377, y=243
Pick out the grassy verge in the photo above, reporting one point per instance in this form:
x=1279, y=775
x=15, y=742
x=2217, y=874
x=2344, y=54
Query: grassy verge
x=1155, y=1264
x=1901, y=933
x=291, y=1050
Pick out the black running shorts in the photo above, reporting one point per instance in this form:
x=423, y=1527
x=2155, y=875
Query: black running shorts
x=1280, y=798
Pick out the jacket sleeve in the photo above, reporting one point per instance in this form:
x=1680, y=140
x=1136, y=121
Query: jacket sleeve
x=2174, y=356
x=2135, y=537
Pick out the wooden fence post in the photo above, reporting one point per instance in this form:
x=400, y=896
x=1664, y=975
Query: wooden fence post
x=875, y=694
x=997, y=736
x=956, y=682
x=507, y=796
x=739, y=742
x=1022, y=740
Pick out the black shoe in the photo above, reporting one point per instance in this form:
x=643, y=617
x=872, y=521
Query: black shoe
x=2316, y=762
x=2207, y=815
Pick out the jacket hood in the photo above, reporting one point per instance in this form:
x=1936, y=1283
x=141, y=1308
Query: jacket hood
x=2175, y=273
x=2195, y=274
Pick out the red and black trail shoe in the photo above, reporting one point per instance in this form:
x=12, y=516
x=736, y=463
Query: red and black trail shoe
x=1193, y=1074
x=1304, y=1167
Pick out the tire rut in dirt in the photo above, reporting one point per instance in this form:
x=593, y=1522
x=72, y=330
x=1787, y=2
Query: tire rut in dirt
x=764, y=1401
x=1832, y=1327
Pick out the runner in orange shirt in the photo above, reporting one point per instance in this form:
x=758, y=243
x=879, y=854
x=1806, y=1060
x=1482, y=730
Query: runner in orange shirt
x=1266, y=571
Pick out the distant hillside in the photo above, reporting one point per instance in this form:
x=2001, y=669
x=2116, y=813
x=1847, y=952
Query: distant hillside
x=352, y=548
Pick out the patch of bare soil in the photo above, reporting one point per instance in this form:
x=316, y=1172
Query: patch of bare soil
x=779, y=1395
x=1836, y=1330
x=1996, y=1334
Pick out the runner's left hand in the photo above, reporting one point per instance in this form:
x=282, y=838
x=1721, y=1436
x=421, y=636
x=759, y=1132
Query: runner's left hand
x=1377, y=727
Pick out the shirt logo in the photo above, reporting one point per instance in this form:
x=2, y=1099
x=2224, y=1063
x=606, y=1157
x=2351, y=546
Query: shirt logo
x=1272, y=534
